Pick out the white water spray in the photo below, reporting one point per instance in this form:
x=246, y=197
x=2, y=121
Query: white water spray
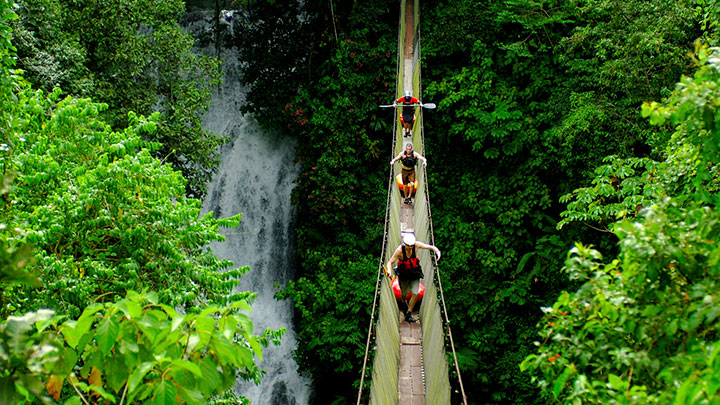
x=256, y=179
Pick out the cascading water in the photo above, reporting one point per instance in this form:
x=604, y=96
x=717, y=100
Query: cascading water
x=256, y=179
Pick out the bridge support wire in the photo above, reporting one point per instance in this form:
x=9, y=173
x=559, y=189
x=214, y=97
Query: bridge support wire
x=442, y=295
x=432, y=241
x=379, y=272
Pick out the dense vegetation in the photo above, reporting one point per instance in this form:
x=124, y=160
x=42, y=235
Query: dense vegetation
x=558, y=121
x=538, y=93
x=532, y=96
x=329, y=101
x=642, y=327
x=108, y=289
x=132, y=56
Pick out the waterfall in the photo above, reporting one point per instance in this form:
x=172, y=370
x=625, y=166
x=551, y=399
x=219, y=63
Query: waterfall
x=255, y=178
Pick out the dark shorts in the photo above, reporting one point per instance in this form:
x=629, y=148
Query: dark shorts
x=410, y=117
x=409, y=286
x=408, y=176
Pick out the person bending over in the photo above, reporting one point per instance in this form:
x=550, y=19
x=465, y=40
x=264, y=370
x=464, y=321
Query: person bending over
x=408, y=269
x=409, y=159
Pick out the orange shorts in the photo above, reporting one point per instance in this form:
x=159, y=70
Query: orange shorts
x=408, y=176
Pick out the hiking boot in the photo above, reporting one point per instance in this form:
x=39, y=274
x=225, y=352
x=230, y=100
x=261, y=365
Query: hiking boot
x=409, y=317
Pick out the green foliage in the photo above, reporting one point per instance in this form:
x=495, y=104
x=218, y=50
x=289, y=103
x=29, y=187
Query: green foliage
x=695, y=108
x=643, y=327
x=133, y=56
x=15, y=259
x=335, y=71
x=263, y=38
x=334, y=300
x=620, y=189
x=27, y=355
x=91, y=214
x=7, y=60
x=103, y=214
x=532, y=95
x=133, y=350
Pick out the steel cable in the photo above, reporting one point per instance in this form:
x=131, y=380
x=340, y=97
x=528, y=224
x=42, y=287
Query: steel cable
x=382, y=258
x=385, y=240
x=432, y=241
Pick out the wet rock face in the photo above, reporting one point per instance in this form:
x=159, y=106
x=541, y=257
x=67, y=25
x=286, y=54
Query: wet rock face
x=281, y=396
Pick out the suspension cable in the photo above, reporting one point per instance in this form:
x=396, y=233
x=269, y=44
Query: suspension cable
x=432, y=241
x=385, y=241
x=442, y=296
x=382, y=258
x=367, y=345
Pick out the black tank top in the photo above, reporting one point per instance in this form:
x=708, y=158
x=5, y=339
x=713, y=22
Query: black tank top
x=409, y=267
x=412, y=253
x=409, y=161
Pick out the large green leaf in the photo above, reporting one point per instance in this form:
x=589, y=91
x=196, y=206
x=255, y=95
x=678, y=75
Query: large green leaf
x=561, y=381
x=8, y=394
x=211, y=377
x=118, y=375
x=164, y=393
x=107, y=334
x=189, y=366
x=136, y=378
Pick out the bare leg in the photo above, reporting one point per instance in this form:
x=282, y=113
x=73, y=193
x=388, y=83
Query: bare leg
x=413, y=300
x=410, y=306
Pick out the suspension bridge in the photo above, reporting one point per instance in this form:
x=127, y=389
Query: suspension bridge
x=409, y=365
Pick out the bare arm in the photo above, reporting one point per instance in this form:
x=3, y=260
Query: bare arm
x=394, y=257
x=396, y=158
x=421, y=157
x=429, y=247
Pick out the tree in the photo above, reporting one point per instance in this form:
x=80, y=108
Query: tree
x=133, y=56
x=130, y=350
x=642, y=328
x=535, y=95
x=103, y=214
x=90, y=215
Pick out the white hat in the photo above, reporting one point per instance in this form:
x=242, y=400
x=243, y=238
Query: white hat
x=408, y=239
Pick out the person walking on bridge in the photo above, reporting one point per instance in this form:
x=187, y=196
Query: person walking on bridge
x=408, y=269
x=407, y=116
x=409, y=159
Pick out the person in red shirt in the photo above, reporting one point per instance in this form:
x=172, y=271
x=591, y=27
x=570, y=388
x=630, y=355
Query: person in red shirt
x=407, y=116
x=408, y=269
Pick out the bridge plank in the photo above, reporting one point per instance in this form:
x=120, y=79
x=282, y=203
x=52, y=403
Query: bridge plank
x=411, y=384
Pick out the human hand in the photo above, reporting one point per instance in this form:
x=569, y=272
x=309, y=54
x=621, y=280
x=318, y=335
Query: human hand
x=392, y=162
x=437, y=254
x=425, y=163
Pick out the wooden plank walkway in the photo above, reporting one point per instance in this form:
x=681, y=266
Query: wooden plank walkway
x=407, y=222
x=411, y=375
